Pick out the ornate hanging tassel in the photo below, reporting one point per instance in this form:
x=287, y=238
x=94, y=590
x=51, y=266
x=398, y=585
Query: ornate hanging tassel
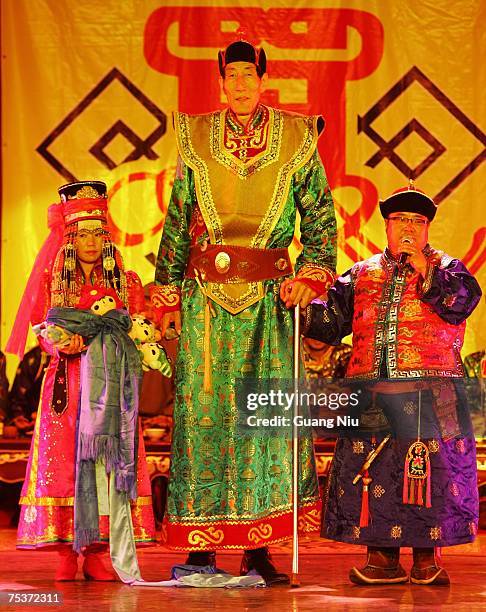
x=365, y=504
x=428, y=495
x=207, y=381
x=364, y=474
x=121, y=289
x=417, y=475
x=208, y=313
x=69, y=274
x=108, y=259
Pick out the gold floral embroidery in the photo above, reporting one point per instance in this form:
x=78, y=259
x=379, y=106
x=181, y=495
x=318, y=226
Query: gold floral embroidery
x=435, y=533
x=410, y=357
x=310, y=521
x=86, y=192
x=267, y=139
x=358, y=447
x=356, y=532
x=411, y=309
x=449, y=301
x=260, y=533
x=244, y=144
x=316, y=272
x=165, y=296
x=30, y=514
x=205, y=537
x=410, y=408
x=378, y=491
x=396, y=532
x=433, y=446
x=210, y=161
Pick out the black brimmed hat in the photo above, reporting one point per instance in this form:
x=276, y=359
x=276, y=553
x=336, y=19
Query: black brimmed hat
x=243, y=51
x=409, y=199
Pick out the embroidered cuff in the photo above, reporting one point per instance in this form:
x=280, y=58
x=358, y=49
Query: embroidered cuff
x=165, y=298
x=318, y=278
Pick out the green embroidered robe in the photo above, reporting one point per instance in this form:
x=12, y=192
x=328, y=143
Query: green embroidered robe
x=229, y=490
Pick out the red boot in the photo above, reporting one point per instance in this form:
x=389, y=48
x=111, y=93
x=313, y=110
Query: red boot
x=67, y=566
x=93, y=567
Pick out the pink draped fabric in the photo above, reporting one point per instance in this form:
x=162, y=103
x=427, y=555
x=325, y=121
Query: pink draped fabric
x=44, y=261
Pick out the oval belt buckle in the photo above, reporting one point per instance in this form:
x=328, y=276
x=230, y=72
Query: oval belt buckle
x=222, y=262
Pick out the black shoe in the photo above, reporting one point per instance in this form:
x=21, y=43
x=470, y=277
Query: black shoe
x=202, y=558
x=260, y=561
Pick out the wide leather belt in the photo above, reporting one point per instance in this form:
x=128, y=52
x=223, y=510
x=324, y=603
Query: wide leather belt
x=223, y=263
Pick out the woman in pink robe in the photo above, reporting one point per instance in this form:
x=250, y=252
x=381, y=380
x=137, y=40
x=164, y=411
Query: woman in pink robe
x=86, y=256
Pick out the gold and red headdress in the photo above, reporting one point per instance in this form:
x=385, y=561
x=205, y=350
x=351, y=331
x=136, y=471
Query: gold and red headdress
x=83, y=205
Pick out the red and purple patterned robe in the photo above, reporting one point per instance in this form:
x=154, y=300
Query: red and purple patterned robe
x=405, y=328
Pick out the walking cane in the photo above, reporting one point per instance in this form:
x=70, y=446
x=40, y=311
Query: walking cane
x=295, y=454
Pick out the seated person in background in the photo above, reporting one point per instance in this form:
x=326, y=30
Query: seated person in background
x=475, y=368
x=25, y=392
x=323, y=360
x=155, y=408
x=475, y=364
x=157, y=393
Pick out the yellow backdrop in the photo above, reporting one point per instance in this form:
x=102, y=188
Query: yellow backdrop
x=88, y=88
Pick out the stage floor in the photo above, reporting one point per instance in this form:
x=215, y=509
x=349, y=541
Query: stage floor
x=324, y=567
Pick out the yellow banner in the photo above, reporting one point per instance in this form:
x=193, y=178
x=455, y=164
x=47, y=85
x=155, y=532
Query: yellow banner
x=88, y=89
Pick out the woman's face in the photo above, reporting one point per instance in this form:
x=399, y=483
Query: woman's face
x=89, y=243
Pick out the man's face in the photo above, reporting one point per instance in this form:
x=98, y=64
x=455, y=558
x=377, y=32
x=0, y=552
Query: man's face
x=242, y=87
x=403, y=227
x=89, y=242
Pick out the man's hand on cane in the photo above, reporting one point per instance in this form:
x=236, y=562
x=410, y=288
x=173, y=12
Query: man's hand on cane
x=293, y=292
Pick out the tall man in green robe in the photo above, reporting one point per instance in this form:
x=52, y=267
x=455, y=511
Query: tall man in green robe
x=225, y=282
